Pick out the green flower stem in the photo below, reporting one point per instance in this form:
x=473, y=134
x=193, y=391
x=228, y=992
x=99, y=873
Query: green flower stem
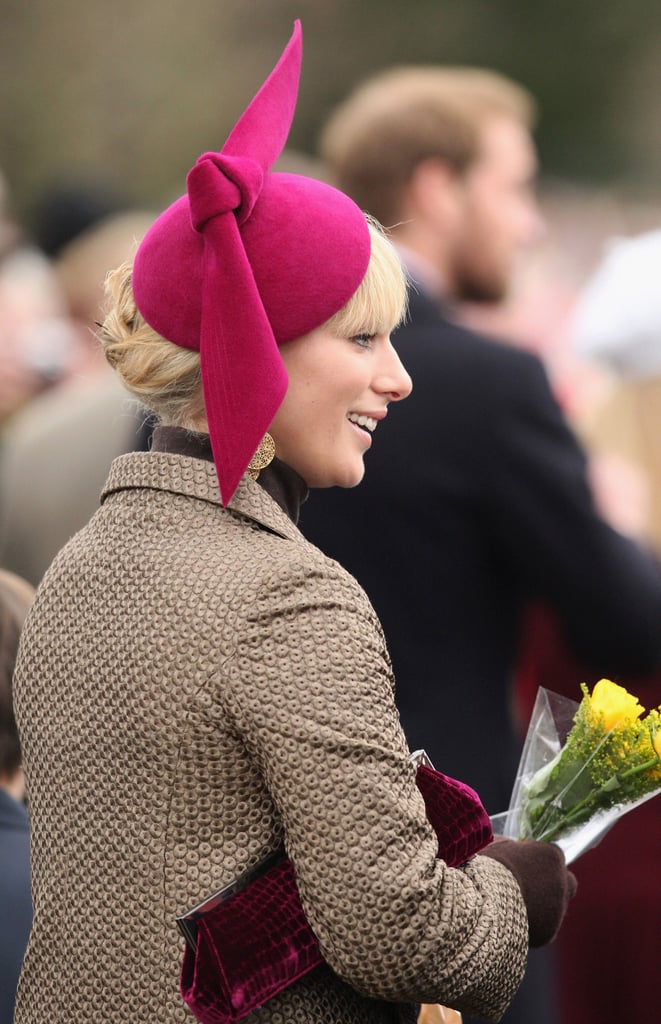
x=592, y=799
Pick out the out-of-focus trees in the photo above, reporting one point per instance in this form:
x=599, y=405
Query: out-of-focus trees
x=136, y=90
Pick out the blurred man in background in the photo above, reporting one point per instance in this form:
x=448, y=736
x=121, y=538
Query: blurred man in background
x=476, y=499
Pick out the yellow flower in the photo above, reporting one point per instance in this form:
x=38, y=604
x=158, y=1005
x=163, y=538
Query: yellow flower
x=615, y=704
x=656, y=740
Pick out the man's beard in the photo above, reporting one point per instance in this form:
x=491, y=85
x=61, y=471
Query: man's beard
x=472, y=284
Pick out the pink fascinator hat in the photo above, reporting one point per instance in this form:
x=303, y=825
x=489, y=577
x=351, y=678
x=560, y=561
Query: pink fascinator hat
x=246, y=261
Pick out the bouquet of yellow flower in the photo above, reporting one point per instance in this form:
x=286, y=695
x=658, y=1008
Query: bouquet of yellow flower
x=583, y=766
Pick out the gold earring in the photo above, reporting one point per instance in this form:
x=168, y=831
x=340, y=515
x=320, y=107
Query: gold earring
x=263, y=457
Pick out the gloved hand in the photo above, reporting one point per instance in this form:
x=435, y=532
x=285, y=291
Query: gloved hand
x=545, y=882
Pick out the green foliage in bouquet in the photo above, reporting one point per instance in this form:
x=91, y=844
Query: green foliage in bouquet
x=612, y=757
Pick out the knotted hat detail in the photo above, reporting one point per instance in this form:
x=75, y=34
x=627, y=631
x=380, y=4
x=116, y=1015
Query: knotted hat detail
x=245, y=261
x=219, y=184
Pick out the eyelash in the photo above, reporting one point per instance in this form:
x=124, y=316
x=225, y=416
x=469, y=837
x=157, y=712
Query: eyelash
x=364, y=340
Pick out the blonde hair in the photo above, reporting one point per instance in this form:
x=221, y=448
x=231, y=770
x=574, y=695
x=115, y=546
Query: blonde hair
x=379, y=303
x=161, y=375
x=373, y=141
x=166, y=378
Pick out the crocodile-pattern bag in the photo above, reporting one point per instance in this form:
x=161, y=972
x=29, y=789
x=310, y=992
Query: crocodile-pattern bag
x=252, y=940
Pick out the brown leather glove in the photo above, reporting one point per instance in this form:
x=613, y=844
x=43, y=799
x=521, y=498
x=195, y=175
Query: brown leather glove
x=546, y=884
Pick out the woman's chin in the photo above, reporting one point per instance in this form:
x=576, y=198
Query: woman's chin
x=351, y=478
x=347, y=478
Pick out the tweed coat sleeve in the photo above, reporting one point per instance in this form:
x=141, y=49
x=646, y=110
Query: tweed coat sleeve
x=310, y=689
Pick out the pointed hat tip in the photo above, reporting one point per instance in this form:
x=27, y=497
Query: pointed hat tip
x=262, y=130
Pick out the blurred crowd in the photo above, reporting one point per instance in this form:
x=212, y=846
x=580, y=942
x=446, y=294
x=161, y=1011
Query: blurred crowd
x=585, y=298
x=62, y=415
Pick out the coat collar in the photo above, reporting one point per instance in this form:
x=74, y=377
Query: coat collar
x=195, y=478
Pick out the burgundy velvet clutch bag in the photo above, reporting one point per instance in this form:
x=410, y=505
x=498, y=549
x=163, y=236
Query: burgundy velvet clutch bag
x=251, y=940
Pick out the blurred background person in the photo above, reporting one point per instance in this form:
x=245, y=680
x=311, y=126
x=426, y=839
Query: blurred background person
x=615, y=326
x=36, y=342
x=15, y=600
x=79, y=225
x=478, y=500
x=56, y=453
x=9, y=232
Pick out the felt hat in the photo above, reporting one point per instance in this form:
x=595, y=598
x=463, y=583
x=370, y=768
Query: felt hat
x=245, y=261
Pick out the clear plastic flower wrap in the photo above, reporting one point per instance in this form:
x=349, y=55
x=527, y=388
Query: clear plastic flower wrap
x=583, y=766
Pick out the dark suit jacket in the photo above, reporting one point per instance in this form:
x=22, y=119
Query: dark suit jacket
x=475, y=501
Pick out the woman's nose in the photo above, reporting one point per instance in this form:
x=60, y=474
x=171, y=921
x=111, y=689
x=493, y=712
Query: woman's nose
x=394, y=380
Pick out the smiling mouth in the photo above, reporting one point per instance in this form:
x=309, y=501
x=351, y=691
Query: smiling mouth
x=366, y=422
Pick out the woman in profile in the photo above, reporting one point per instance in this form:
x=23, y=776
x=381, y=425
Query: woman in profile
x=216, y=687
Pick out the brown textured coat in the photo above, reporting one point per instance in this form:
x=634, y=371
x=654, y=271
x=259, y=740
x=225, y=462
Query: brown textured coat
x=195, y=684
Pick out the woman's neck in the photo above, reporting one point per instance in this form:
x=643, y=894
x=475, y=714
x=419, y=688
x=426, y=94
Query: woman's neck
x=280, y=481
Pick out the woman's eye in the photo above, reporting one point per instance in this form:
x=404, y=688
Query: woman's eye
x=364, y=340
